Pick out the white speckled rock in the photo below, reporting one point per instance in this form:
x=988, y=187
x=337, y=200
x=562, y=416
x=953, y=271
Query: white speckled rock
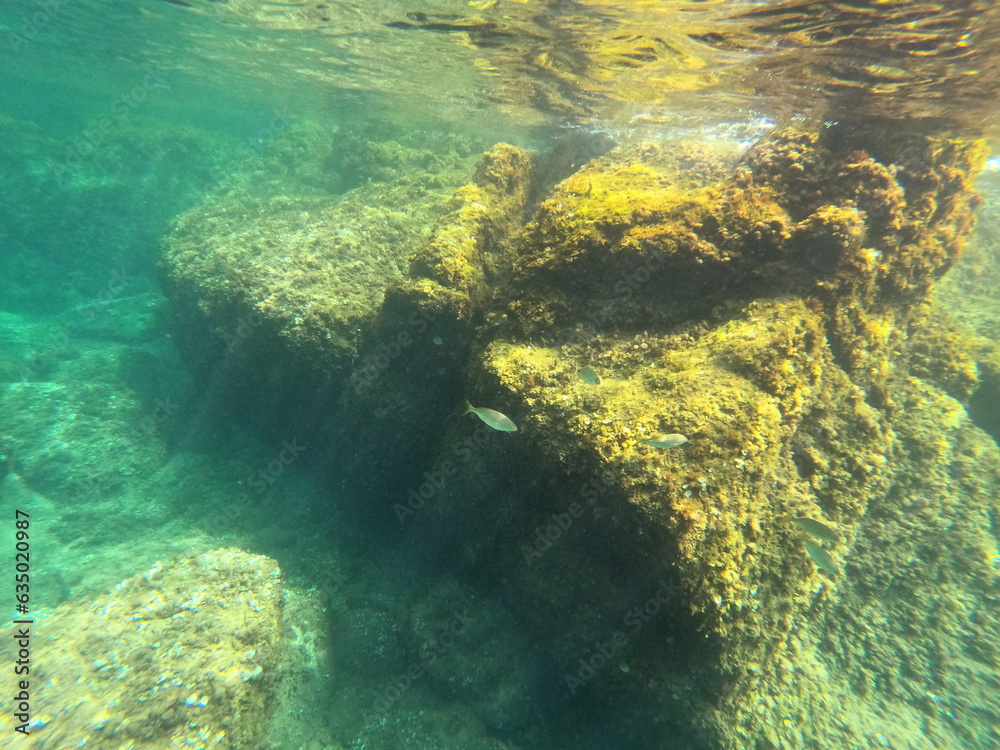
x=180, y=656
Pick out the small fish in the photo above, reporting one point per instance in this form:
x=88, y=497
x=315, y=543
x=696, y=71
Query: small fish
x=493, y=418
x=666, y=441
x=588, y=376
x=821, y=557
x=816, y=528
x=887, y=72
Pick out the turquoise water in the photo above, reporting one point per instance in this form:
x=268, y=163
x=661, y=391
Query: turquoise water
x=222, y=356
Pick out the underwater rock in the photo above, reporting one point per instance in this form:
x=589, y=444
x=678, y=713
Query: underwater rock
x=403, y=385
x=470, y=248
x=764, y=316
x=283, y=279
x=475, y=653
x=181, y=655
x=368, y=641
x=287, y=262
x=759, y=303
x=642, y=239
x=74, y=437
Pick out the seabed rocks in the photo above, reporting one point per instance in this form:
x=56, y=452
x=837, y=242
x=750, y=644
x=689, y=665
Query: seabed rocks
x=771, y=305
x=182, y=655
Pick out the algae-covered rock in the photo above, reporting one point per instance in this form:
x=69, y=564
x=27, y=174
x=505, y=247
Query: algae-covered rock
x=640, y=239
x=767, y=305
x=182, y=655
x=765, y=318
x=746, y=397
x=292, y=255
x=71, y=435
x=471, y=245
x=302, y=275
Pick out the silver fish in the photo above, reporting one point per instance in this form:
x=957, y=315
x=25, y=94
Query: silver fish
x=491, y=417
x=816, y=528
x=821, y=557
x=666, y=441
x=588, y=376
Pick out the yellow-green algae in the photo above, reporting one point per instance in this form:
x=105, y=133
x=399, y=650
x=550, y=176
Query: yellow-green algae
x=468, y=251
x=797, y=403
x=282, y=244
x=723, y=495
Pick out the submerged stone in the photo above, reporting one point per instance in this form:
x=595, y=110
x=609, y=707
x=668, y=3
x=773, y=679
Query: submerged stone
x=183, y=655
x=764, y=298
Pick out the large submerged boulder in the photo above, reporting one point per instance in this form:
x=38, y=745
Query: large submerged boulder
x=183, y=655
x=763, y=584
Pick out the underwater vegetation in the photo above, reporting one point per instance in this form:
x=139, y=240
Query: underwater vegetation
x=761, y=309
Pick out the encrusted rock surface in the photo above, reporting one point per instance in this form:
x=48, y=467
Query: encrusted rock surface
x=767, y=305
x=180, y=656
x=303, y=241
x=766, y=317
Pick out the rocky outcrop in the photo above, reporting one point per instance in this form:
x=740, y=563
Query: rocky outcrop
x=760, y=303
x=182, y=655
